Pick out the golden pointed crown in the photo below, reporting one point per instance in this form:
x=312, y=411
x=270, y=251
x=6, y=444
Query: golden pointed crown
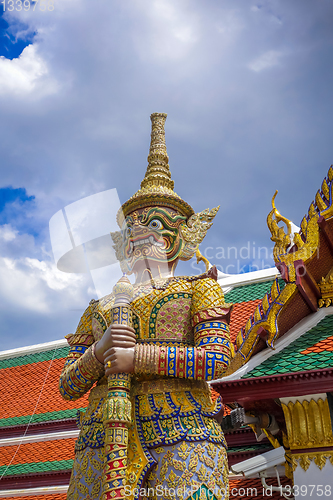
x=157, y=186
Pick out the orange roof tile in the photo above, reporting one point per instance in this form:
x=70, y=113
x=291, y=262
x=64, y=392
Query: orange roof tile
x=239, y=316
x=23, y=385
x=323, y=345
x=44, y=451
x=227, y=410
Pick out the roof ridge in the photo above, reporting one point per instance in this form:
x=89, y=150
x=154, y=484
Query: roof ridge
x=35, y=357
x=230, y=281
x=36, y=438
x=31, y=349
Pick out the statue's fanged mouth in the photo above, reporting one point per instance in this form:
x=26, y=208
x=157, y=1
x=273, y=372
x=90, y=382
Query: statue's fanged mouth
x=144, y=241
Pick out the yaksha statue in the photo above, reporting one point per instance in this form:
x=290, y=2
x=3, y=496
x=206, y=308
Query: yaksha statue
x=150, y=430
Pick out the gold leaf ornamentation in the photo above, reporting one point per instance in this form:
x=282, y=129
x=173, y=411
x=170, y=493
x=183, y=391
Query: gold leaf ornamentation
x=305, y=249
x=304, y=459
x=194, y=231
x=330, y=173
x=325, y=189
x=248, y=337
x=308, y=424
x=257, y=314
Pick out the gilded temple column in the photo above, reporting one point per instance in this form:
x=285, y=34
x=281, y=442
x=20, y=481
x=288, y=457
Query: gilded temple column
x=309, y=428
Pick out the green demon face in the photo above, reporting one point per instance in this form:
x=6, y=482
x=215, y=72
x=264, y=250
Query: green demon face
x=151, y=234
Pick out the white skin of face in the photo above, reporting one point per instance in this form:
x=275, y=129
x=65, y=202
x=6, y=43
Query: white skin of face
x=147, y=246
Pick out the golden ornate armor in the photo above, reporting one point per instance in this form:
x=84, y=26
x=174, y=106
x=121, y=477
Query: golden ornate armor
x=182, y=341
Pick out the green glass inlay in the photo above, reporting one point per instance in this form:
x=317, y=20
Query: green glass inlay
x=250, y=292
x=28, y=359
x=36, y=467
x=291, y=358
x=40, y=417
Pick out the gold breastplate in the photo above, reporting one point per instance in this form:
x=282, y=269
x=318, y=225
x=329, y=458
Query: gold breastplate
x=163, y=315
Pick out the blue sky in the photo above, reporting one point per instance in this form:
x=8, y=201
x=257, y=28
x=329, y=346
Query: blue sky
x=14, y=36
x=248, y=91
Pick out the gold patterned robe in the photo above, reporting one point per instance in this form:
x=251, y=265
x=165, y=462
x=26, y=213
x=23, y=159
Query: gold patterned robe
x=182, y=334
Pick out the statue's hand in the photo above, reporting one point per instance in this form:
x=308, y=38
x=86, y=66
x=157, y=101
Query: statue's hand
x=115, y=336
x=119, y=360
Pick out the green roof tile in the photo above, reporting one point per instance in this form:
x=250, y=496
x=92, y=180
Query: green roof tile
x=291, y=358
x=246, y=293
x=28, y=359
x=41, y=417
x=35, y=467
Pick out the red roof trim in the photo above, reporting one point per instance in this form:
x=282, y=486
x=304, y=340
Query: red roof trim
x=38, y=428
x=276, y=386
x=311, y=450
x=242, y=437
x=56, y=478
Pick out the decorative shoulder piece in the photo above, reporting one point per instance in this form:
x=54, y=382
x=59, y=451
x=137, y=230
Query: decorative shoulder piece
x=117, y=239
x=79, y=339
x=194, y=230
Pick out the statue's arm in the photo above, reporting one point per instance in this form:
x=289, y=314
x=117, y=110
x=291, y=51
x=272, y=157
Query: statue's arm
x=82, y=369
x=209, y=357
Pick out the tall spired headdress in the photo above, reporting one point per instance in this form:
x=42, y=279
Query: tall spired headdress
x=157, y=190
x=157, y=186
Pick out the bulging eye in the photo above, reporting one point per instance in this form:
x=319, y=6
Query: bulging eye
x=155, y=224
x=127, y=232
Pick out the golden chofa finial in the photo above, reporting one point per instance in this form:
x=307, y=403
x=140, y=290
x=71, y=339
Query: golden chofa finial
x=157, y=186
x=158, y=172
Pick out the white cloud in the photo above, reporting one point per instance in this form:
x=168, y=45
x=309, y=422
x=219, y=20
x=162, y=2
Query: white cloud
x=115, y=63
x=26, y=74
x=29, y=283
x=266, y=60
x=7, y=232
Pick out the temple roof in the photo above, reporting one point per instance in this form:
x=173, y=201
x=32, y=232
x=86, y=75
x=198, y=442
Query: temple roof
x=312, y=351
x=45, y=456
x=250, y=293
x=246, y=299
x=37, y=400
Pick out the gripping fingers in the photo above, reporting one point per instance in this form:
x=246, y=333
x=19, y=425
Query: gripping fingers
x=124, y=330
x=122, y=341
x=119, y=360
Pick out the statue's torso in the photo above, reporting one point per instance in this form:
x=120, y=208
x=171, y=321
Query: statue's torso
x=169, y=409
